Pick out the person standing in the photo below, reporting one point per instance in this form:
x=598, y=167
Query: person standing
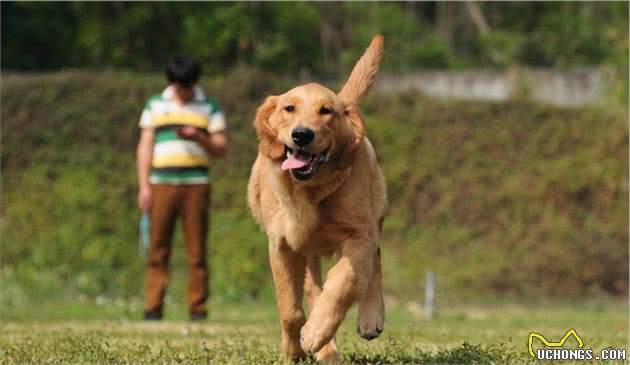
x=180, y=130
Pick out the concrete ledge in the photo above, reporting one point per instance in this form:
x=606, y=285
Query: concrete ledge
x=558, y=87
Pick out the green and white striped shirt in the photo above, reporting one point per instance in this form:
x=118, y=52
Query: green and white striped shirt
x=178, y=160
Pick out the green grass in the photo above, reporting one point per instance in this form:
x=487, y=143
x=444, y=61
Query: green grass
x=496, y=198
x=248, y=333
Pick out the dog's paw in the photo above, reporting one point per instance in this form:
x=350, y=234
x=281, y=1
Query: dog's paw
x=294, y=354
x=328, y=355
x=370, y=325
x=312, y=337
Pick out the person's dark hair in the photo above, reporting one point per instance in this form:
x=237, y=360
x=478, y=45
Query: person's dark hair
x=183, y=70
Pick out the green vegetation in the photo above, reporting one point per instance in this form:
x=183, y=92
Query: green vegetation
x=514, y=199
x=323, y=38
x=249, y=333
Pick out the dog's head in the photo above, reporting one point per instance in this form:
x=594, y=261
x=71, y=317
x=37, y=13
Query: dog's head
x=307, y=127
x=310, y=126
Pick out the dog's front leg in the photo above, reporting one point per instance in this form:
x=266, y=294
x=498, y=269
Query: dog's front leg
x=371, y=315
x=287, y=267
x=347, y=281
x=313, y=286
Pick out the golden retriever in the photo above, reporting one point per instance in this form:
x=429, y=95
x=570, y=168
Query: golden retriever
x=316, y=189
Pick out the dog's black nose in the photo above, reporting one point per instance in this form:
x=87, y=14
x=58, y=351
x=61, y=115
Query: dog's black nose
x=302, y=136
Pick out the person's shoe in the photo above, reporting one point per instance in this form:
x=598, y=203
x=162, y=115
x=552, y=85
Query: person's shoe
x=152, y=316
x=198, y=316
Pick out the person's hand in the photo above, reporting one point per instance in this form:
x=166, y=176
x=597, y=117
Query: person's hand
x=145, y=198
x=187, y=132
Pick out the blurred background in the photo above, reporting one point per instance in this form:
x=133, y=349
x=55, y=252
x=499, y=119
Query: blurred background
x=501, y=128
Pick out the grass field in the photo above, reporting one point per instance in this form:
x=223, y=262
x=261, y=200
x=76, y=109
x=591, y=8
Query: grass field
x=496, y=198
x=505, y=202
x=249, y=333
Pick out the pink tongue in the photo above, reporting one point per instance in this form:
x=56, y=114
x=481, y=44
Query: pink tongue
x=292, y=163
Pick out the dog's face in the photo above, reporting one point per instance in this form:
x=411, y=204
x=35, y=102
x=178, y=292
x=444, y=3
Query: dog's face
x=309, y=127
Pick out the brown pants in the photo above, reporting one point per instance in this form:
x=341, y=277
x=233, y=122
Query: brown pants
x=191, y=202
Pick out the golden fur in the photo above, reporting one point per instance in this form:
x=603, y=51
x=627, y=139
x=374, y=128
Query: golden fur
x=339, y=210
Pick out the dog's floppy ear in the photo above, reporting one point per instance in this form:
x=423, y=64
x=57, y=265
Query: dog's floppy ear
x=268, y=138
x=352, y=116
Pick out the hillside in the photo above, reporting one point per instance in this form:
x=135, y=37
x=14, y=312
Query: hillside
x=509, y=198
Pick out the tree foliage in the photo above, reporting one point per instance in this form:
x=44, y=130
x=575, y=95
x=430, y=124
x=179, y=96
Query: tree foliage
x=320, y=38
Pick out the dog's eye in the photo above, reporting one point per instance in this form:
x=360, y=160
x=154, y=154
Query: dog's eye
x=325, y=111
x=289, y=108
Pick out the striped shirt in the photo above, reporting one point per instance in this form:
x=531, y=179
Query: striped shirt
x=178, y=160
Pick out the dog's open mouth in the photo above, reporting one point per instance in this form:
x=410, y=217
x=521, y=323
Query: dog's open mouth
x=303, y=165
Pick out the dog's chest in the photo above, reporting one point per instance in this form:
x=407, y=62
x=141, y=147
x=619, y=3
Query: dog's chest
x=306, y=228
x=298, y=220
x=301, y=220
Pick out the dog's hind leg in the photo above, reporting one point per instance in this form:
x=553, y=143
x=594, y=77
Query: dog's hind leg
x=313, y=287
x=371, y=317
x=288, y=270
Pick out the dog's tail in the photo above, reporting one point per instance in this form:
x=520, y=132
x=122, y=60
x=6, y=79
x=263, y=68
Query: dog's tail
x=364, y=72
